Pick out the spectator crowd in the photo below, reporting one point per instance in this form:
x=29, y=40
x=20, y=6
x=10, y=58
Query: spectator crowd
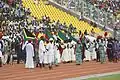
x=112, y=6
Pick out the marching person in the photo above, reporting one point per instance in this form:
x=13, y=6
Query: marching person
x=29, y=55
x=1, y=46
x=46, y=53
x=78, y=53
x=115, y=50
x=69, y=51
x=65, y=55
x=87, y=51
x=41, y=53
x=36, y=46
x=18, y=49
x=6, y=54
x=0, y=57
x=92, y=51
x=50, y=49
x=24, y=50
x=83, y=41
x=109, y=50
x=101, y=51
x=97, y=50
x=72, y=51
x=57, y=54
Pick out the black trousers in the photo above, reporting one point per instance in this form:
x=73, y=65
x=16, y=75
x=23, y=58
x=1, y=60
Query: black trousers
x=19, y=58
x=0, y=62
x=110, y=55
x=98, y=56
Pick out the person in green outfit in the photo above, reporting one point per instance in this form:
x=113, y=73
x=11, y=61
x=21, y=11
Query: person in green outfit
x=78, y=53
x=101, y=51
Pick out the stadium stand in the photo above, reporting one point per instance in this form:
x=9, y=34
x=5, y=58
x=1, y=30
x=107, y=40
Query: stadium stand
x=55, y=14
x=112, y=6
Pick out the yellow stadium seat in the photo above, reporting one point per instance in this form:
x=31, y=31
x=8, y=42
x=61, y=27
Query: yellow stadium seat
x=56, y=14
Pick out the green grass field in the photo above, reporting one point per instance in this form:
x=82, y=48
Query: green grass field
x=111, y=77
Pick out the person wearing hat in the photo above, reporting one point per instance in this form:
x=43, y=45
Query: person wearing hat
x=29, y=55
x=50, y=49
x=78, y=52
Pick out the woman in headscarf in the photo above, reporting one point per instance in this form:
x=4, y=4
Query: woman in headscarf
x=101, y=51
x=78, y=53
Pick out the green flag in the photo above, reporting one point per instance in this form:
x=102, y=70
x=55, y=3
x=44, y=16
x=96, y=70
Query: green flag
x=48, y=33
x=28, y=35
x=72, y=38
x=62, y=36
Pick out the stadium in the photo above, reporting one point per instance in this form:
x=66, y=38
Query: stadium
x=60, y=39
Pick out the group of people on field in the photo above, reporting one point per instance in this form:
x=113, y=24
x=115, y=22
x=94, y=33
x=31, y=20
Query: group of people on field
x=49, y=51
x=53, y=52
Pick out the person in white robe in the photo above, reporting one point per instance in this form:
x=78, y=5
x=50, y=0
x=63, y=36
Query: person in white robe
x=5, y=56
x=46, y=54
x=46, y=57
x=72, y=51
x=92, y=51
x=65, y=55
x=41, y=53
x=50, y=49
x=57, y=54
x=29, y=55
x=69, y=51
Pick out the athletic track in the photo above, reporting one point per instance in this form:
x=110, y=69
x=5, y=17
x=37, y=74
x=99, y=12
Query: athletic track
x=63, y=71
